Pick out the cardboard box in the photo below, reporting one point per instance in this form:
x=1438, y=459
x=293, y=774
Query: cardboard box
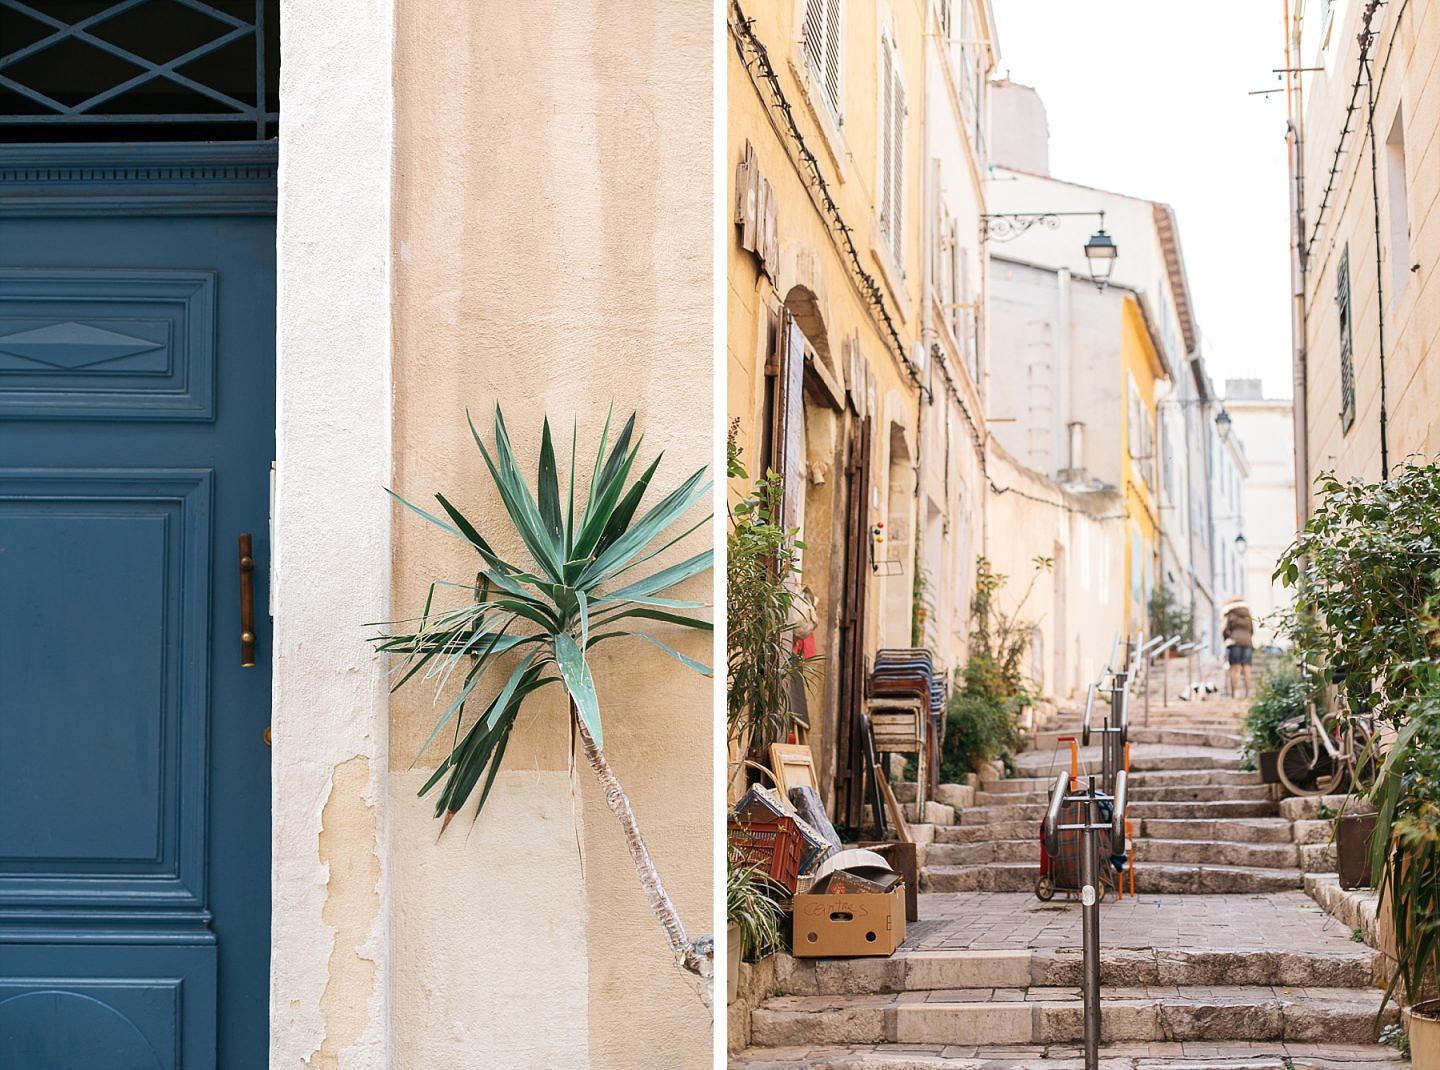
x=845, y=926
x=904, y=861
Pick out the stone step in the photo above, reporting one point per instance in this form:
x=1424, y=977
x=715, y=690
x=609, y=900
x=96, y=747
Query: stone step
x=1177, y=878
x=1136, y=1055
x=1312, y=807
x=1313, y=830
x=1055, y=1015
x=978, y=815
x=1141, y=793
x=1143, y=760
x=1216, y=853
x=923, y=971
x=1147, y=849
x=1155, y=779
x=1319, y=858
x=972, y=854
x=1222, y=736
x=1234, y=830
x=990, y=830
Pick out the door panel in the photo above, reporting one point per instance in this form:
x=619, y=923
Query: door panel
x=136, y=434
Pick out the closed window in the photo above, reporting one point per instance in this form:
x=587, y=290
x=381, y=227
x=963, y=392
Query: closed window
x=822, y=48
x=1347, y=356
x=892, y=151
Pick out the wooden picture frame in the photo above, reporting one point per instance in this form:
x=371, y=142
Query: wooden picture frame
x=793, y=766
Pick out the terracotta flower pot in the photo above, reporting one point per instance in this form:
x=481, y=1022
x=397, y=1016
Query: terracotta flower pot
x=1424, y=1022
x=732, y=963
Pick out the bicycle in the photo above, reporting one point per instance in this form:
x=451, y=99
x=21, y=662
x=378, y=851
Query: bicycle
x=1325, y=751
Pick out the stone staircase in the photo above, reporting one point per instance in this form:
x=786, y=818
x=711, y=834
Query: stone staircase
x=1010, y=1008
x=1200, y=824
x=989, y=978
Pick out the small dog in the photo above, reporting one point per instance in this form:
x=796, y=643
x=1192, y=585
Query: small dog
x=1197, y=692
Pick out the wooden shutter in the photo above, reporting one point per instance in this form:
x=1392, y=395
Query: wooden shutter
x=814, y=33
x=887, y=143
x=1347, y=357
x=832, y=53
x=850, y=665
x=897, y=163
x=788, y=459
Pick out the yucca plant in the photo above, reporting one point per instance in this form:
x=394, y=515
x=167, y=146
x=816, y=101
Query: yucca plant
x=538, y=623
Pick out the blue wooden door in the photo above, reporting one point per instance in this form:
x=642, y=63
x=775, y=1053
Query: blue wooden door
x=137, y=327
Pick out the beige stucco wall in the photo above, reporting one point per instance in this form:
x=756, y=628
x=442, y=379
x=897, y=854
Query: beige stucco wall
x=552, y=251
x=1406, y=101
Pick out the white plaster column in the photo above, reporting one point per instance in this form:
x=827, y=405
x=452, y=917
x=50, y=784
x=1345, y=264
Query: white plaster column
x=330, y=936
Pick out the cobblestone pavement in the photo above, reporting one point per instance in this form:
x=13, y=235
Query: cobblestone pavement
x=1288, y=921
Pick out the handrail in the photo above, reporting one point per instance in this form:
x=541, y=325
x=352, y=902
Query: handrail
x=1114, y=647
x=1089, y=705
x=1149, y=644
x=1172, y=641
x=1117, y=819
x=1050, y=829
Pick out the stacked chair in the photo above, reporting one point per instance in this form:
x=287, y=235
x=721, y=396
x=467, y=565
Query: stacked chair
x=905, y=701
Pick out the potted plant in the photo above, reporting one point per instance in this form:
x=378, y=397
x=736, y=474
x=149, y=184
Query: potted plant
x=1405, y=866
x=766, y=608
x=520, y=627
x=752, y=914
x=1366, y=574
x=1279, y=707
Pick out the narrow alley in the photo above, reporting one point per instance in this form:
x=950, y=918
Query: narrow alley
x=1221, y=960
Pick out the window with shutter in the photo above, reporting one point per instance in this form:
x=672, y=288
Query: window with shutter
x=822, y=48
x=1347, y=358
x=892, y=152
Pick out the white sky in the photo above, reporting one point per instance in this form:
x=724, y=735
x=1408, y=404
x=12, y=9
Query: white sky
x=1149, y=97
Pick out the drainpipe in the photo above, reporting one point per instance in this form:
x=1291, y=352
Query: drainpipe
x=1299, y=315
x=1060, y=425
x=1379, y=264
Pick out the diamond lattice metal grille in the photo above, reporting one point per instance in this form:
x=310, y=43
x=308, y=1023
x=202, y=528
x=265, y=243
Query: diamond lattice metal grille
x=139, y=70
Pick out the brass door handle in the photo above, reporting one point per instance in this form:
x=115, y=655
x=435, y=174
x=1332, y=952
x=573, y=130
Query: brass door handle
x=247, y=603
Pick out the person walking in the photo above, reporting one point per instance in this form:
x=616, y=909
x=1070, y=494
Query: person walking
x=1239, y=637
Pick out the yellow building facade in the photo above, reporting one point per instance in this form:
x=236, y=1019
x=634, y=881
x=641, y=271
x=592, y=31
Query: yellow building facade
x=824, y=268
x=1143, y=370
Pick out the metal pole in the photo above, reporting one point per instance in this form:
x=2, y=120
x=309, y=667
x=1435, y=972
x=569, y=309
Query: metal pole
x=1147, y=690
x=1165, y=685
x=1090, y=931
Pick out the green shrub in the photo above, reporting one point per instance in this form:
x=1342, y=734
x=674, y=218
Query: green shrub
x=1280, y=698
x=978, y=729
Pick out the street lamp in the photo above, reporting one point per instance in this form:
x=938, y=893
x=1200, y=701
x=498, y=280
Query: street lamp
x=1100, y=252
x=1241, y=545
x=1222, y=423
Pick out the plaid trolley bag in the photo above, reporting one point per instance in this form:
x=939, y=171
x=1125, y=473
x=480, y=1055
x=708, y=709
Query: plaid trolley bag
x=1061, y=871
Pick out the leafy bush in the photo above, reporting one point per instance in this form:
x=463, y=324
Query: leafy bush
x=751, y=906
x=978, y=729
x=1366, y=575
x=981, y=720
x=764, y=601
x=1280, y=698
x=1407, y=796
x=1364, y=569
x=1169, y=616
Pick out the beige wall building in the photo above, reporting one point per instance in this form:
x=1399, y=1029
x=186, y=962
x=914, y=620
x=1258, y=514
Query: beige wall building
x=826, y=374
x=1366, y=228
x=1266, y=428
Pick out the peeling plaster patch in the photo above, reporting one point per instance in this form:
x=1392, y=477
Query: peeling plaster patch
x=352, y=903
